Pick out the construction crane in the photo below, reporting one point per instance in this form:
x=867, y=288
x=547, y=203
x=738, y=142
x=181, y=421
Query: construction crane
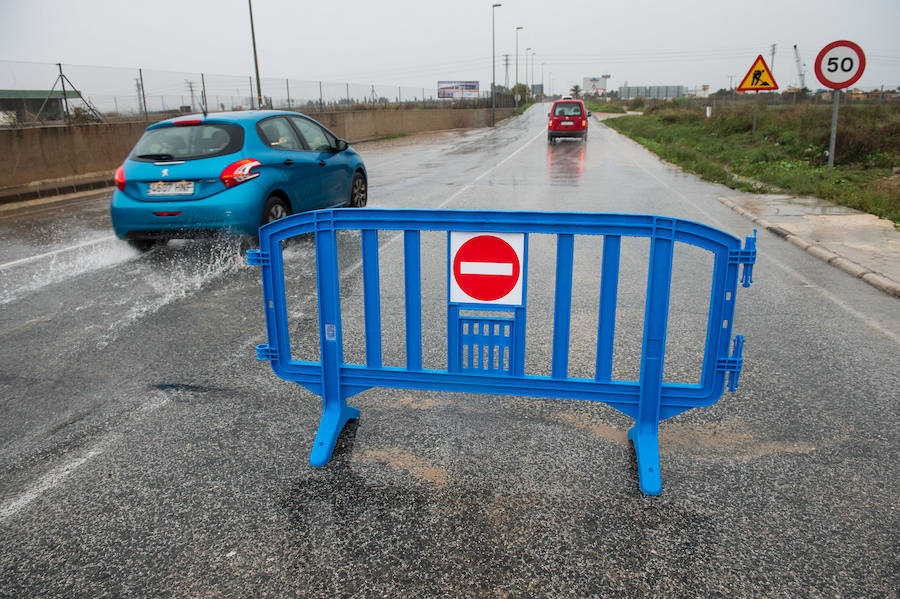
x=800, y=68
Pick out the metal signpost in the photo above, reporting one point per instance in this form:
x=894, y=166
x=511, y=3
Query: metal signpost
x=839, y=65
x=487, y=273
x=759, y=77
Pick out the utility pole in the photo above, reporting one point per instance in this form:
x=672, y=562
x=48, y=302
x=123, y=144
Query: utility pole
x=772, y=62
x=62, y=81
x=506, y=64
x=190, y=85
x=517, y=56
x=493, y=67
x=137, y=85
x=255, y=60
x=143, y=97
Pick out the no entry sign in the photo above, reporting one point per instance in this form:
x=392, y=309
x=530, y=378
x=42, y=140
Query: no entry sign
x=487, y=268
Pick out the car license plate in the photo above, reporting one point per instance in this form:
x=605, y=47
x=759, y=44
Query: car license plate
x=171, y=188
x=568, y=123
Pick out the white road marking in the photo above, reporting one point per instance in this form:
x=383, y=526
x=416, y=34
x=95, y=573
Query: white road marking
x=486, y=268
x=70, y=248
x=48, y=481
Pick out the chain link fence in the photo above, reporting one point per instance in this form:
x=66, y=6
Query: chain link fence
x=39, y=94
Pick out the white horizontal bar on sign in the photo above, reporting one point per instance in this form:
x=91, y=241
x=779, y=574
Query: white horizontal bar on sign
x=486, y=268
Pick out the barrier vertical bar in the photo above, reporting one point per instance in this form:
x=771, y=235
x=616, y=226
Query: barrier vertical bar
x=565, y=249
x=454, y=361
x=335, y=411
x=609, y=289
x=645, y=432
x=372, y=297
x=413, y=297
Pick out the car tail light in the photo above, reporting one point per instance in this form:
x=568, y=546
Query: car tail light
x=238, y=172
x=120, y=178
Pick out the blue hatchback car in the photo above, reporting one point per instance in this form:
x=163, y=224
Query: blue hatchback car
x=233, y=172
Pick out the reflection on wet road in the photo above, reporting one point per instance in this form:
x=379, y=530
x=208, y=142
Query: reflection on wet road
x=565, y=161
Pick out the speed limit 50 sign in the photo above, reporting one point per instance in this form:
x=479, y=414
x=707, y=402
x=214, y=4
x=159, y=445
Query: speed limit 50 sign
x=840, y=64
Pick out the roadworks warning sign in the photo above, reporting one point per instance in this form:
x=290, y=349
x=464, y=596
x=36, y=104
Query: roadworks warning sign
x=758, y=78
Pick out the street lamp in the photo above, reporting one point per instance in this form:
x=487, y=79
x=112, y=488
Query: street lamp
x=493, y=66
x=527, y=50
x=543, y=91
x=255, y=61
x=517, y=62
x=532, y=71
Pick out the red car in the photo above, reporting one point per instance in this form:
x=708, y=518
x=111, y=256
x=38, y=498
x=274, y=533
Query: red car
x=568, y=118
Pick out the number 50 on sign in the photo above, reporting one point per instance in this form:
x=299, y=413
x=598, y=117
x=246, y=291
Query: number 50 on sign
x=840, y=64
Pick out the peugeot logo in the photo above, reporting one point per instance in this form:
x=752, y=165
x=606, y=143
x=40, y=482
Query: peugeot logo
x=165, y=172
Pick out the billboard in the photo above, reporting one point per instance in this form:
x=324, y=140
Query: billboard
x=458, y=89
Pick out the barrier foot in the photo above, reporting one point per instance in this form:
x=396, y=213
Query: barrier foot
x=333, y=420
x=646, y=448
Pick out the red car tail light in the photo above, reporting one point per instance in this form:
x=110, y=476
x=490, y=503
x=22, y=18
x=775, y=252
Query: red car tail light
x=120, y=178
x=238, y=172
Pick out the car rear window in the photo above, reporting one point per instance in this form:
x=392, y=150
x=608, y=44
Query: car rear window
x=188, y=142
x=567, y=109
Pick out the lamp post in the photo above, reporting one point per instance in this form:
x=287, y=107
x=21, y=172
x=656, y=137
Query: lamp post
x=527, y=50
x=255, y=61
x=493, y=66
x=517, y=62
x=543, y=91
x=532, y=70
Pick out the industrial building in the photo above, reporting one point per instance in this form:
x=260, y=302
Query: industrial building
x=652, y=92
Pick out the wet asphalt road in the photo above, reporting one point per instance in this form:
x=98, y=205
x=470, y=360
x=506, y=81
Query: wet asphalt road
x=144, y=452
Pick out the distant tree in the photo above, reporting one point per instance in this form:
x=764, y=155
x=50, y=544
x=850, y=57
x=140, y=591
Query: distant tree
x=522, y=90
x=576, y=90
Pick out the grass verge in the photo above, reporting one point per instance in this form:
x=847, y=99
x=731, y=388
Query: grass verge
x=787, y=152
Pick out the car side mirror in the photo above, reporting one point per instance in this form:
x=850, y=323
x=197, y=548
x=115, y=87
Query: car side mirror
x=341, y=145
x=589, y=113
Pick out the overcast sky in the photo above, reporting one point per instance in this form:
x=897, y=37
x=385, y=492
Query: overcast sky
x=416, y=43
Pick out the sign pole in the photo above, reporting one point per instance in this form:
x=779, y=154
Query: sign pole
x=834, y=122
x=839, y=65
x=755, y=109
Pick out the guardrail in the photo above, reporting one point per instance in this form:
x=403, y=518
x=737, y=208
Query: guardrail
x=487, y=271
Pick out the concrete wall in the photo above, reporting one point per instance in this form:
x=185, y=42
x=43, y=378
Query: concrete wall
x=78, y=152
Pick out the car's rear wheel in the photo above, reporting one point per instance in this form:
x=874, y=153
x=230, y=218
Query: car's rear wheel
x=359, y=191
x=145, y=245
x=274, y=209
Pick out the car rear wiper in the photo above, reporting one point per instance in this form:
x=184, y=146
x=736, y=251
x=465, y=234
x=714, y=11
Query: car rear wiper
x=156, y=156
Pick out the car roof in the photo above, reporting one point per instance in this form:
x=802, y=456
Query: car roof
x=235, y=116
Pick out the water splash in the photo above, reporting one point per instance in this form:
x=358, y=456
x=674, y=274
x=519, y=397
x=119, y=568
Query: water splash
x=60, y=265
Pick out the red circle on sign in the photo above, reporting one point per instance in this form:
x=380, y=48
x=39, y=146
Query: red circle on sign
x=823, y=78
x=486, y=268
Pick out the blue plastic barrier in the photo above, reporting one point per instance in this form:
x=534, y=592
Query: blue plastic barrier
x=487, y=354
